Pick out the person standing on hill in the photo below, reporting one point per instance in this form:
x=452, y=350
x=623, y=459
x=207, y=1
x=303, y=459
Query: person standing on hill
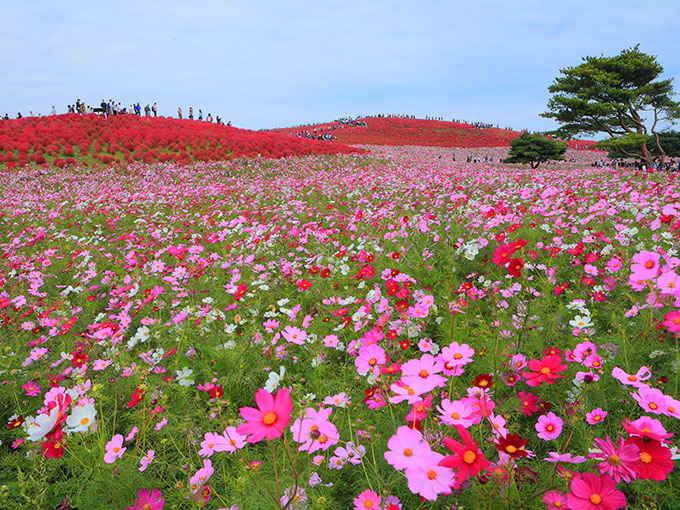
x=54, y=111
x=147, y=110
x=154, y=109
x=191, y=113
x=200, y=114
x=179, y=112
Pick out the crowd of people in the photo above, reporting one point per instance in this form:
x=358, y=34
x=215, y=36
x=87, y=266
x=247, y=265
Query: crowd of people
x=112, y=108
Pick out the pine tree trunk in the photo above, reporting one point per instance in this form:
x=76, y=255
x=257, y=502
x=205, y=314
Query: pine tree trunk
x=646, y=156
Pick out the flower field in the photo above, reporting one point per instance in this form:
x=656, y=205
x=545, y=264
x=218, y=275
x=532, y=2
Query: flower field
x=391, y=330
x=64, y=140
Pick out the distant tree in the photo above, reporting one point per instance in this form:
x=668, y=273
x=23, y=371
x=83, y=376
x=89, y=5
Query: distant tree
x=534, y=149
x=613, y=95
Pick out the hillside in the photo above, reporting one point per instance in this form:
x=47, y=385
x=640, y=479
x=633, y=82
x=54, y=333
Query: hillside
x=420, y=132
x=66, y=139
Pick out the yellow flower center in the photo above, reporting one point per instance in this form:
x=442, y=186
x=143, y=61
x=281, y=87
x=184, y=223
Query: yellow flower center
x=432, y=474
x=373, y=361
x=645, y=457
x=455, y=416
x=595, y=499
x=652, y=405
x=84, y=421
x=368, y=504
x=116, y=449
x=423, y=373
x=269, y=418
x=510, y=448
x=469, y=457
x=545, y=370
x=457, y=355
x=408, y=452
x=614, y=460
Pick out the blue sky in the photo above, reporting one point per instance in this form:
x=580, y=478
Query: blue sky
x=264, y=64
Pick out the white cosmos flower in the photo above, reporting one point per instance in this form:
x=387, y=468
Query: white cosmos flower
x=81, y=419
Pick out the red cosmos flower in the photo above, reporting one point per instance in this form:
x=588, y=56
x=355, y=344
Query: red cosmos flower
x=216, y=391
x=527, y=403
x=544, y=370
x=655, y=459
x=518, y=245
x=515, y=267
x=483, y=381
x=240, y=291
x=303, y=284
x=325, y=273
x=271, y=417
x=467, y=458
x=137, y=396
x=15, y=423
x=512, y=445
x=404, y=344
x=502, y=254
x=53, y=448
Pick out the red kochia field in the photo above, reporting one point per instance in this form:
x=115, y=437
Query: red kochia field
x=66, y=139
x=429, y=133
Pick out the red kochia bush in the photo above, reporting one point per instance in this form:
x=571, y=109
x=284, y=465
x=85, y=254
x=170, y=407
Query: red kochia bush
x=147, y=139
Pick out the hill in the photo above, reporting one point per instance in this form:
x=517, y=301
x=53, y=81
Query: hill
x=66, y=139
x=420, y=132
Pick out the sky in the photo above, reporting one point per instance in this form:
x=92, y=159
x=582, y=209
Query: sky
x=266, y=64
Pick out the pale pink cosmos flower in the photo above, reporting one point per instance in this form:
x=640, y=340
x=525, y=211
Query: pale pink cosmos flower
x=647, y=427
x=233, y=440
x=668, y=283
x=635, y=380
x=549, y=426
x=114, y=449
x=425, y=369
x=566, y=458
x=339, y=400
x=161, y=424
x=411, y=393
x=197, y=481
x=370, y=358
x=405, y=448
x=132, y=433
x=146, y=460
x=651, y=400
x=428, y=479
x=596, y=416
x=294, y=335
x=457, y=412
x=212, y=443
x=314, y=431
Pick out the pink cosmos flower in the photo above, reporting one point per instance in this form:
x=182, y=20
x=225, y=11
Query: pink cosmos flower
x=593, y=492
x=425, y=369
x=555, y=500
x=339, y=400
x=596, y=416
x=411, y=392
x=645, y=265
x=197, y=481
x=549, y=426
x=646, y=427
x=114, y=449
x=617, y=461
x=370, y=358
x=565, y=458
x=233, y=440
x=367, y=500
x=146, y=460
x=32, y=389
x=672, y=321
x=454, y=356
x=271, y=417
x=669, y=283
x=161, y=424
x=427, y=478
x=314, y=430
x=132, y=434
x=405, y=448
x=148, y=500
x=294, y=335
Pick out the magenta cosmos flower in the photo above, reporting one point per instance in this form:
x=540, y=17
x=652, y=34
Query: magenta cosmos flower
x=549, y=426
x=148, y=500
x=271, y=417
x=593, y=492
x=367, y=500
